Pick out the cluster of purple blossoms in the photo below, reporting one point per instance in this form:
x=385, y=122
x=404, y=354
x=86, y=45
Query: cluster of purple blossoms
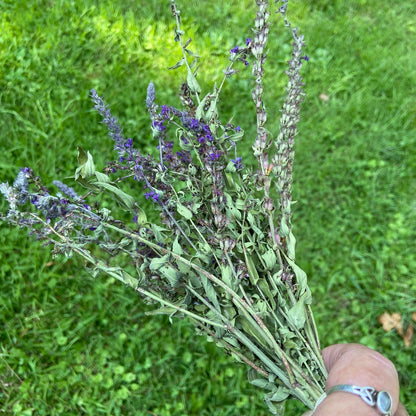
x=51, y=206
x=238, y=163
x=194, y=130
x=214, y=155
x=67, y=190
x=114, y=129
x=158, y=125
x=241, y=52
x=152, y=195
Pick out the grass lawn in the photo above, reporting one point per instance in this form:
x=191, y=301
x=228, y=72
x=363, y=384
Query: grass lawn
x=77, y=346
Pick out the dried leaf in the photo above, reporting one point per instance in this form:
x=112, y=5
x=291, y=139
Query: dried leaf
x=414, y=316
x=393, y=321
x=407, y=337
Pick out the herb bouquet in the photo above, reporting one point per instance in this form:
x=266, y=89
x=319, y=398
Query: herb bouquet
x=221, y=252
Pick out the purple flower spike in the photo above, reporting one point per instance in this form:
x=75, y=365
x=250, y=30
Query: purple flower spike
x=237, y=163
x=153, y=195
x=213, y=156
x=158, y=125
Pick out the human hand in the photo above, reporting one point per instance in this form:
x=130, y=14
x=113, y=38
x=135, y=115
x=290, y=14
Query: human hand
x=357, y=365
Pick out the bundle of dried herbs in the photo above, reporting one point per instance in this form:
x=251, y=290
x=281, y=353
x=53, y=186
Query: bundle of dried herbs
x=221, y=251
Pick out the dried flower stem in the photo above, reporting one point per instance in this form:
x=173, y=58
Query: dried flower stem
x=284, y=142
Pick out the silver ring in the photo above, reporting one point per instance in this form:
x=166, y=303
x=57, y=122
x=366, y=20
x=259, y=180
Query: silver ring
x=378, y=399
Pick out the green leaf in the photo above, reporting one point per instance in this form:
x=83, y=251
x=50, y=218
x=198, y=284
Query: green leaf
x=253, y=224
x=236, y=136
x=199, y=113
x=178, y=64
x=230, y=167
x=158, y=233
x=164, y=310
x=276, y=401
x=178, y=33
x=232, y=211
x=162, y=267
x=210, y=292
x=176, y=248
x=269, y=258
x=86, y=162
x=260, y=382
x=251, y=268
x=82, y=156
x=184, y=211
x=227, y=276
x=284, y=228
x=141, y=216
x=102, y=177
x=158, y=262
x=185, y=269
x=212, y=112
x=193, y=83
x=297, y=313
x=291, y=243
x=301, y=279
x=171, y=274
x=86, y=184
x=125, y=199
x=189, y=52
x=247, y=327
x=264, y=286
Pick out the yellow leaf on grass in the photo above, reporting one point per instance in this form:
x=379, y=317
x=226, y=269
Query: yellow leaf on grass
x=393, y=321
x=407, y=337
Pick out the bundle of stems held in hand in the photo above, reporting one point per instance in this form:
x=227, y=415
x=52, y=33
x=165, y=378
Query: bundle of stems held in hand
x=222, y=253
